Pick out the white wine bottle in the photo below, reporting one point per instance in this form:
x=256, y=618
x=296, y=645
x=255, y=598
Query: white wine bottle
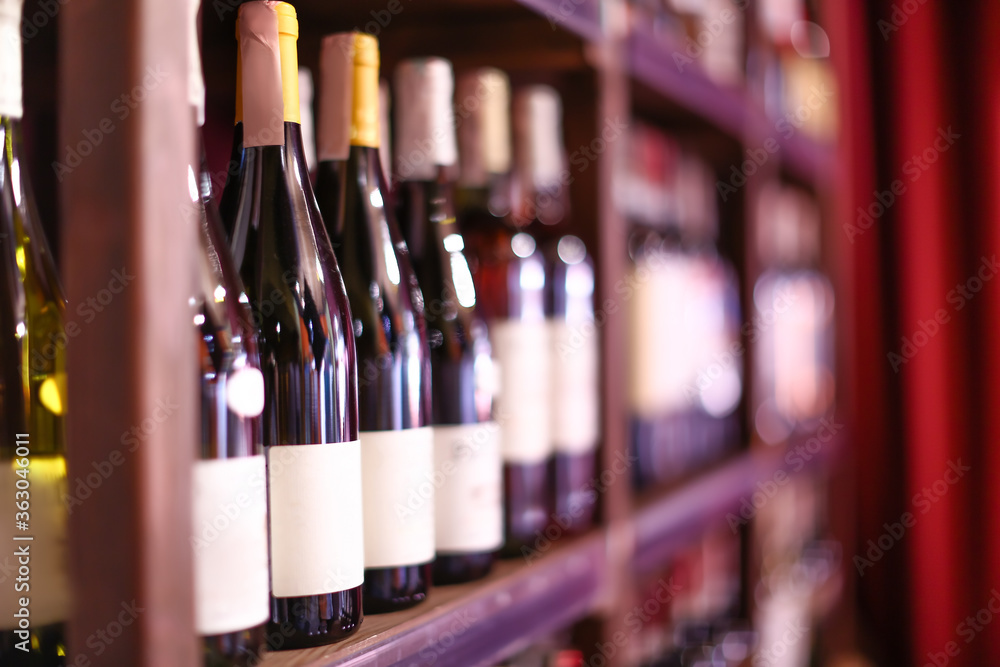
x=306, y=342
x=32, y=396
x=229, y=497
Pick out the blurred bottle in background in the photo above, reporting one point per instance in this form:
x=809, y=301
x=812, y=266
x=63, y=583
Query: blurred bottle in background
x=510, y=279
x=685, y=355
x=542, y=195
x=792, y=325
x=469, y=518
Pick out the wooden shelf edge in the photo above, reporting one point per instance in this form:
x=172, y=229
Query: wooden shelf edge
x=477, y=623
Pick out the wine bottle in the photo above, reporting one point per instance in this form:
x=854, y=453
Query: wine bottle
x=467, y=468
x=306, y=341
x=390, y=336
x=229, y=499
x=32, y=395
x=510, y=274
x=712, y=323
x=542, y=200
x=794, y=382
x=575, y=382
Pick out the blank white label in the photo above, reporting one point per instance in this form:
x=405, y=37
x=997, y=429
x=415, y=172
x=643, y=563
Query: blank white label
x=230, y=544
x=317, y=539
x=468, y=472
x=521, y=350
x=397, y=468
x=46, y=525
x=575, y=392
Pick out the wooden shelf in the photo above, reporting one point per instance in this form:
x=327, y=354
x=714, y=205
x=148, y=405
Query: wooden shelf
x=476, y=623
x=131, y=538
x=664, y=524
x=730, y=109
x=650, y=61
x=482, y=622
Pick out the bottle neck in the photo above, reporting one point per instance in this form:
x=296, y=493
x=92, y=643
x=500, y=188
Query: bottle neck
x=10, y=141
x=492, y=197
x=547, y=207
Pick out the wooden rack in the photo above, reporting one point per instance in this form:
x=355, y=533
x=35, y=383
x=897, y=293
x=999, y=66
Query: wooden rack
x=130, y=539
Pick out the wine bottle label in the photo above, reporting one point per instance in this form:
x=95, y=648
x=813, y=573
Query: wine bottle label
x=46, y=584
x=317, y=539
x=399, y=488
x=658, y=364
x=521, y=350
x=10, y=58
x=229, y=504
x=575, y=388
x=468, y=474
x=260, y=59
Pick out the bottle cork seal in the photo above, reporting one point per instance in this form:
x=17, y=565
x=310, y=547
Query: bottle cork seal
x=425, y=120
x=483, y=102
